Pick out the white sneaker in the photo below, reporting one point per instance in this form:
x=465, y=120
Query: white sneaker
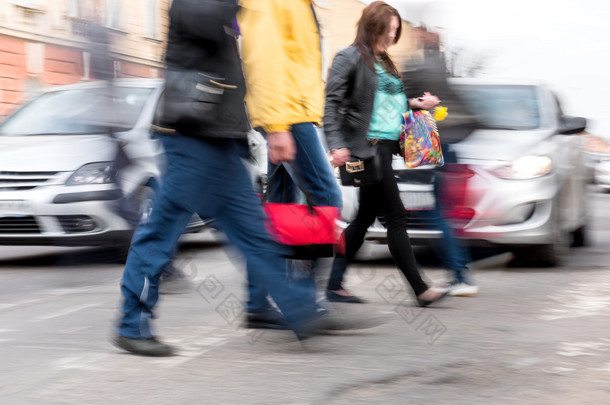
x=444, y=288
x=463, y=290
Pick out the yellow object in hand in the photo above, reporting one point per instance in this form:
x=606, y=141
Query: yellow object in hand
x=440, y=113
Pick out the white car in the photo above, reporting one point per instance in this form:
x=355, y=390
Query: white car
x=58, y=185
x=520, y=181
x=601, y=174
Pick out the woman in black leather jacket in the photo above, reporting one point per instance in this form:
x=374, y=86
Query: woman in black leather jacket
x=362, y=117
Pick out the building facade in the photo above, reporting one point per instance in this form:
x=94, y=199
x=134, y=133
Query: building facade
x=44, y=42
x=338, y=19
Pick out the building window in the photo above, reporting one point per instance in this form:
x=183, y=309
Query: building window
x=112, y=14
x=151, y=18
x=90, y=10
x=73, y=11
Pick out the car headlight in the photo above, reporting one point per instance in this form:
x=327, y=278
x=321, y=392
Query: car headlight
x=92, y=173
x=526, y=167
x=602, y=170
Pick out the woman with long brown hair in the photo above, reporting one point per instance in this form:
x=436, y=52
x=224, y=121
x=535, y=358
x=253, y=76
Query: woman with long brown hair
x=365, y=100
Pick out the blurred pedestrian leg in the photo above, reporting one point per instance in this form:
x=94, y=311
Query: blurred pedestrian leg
x=310, y=171
x=175, y=281
x=205, y=174
x=197, y=181
x=453, y=255
x=282, y=58
x=430, y=74
x=335, y=291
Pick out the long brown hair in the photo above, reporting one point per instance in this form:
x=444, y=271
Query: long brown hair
x=373, y=24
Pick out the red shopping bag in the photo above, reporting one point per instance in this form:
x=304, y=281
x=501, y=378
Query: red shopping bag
x=307, y=231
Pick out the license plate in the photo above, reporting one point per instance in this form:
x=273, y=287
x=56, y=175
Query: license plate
x=417, y=200
x=14, y=207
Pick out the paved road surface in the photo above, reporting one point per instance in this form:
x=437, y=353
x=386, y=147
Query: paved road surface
x=532, y=336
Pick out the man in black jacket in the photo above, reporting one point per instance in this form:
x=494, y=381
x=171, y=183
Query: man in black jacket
x=204, y=175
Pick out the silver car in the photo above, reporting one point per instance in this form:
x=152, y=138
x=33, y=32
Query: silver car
x=58, y=185
x=520, y=180
x=601, y=174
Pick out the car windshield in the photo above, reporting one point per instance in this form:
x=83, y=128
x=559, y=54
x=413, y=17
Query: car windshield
x=503, y=107
x=78, y=111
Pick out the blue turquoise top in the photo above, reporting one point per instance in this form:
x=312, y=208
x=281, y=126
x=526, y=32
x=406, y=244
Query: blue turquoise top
x=389, y=105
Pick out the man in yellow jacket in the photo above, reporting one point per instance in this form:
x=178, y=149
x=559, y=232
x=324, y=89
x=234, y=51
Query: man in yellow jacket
x=282, y=59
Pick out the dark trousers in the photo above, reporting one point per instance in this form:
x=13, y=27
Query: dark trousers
x=375, y=200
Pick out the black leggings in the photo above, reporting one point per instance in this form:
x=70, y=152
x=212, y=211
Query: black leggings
x=377, y=199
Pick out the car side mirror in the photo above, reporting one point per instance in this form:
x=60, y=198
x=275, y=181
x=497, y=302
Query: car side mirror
x=572, y=125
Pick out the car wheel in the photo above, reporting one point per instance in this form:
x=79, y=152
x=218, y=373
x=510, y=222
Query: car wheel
x=555, y=252
x=579, y=237
x=547, y=255
x=122, y=250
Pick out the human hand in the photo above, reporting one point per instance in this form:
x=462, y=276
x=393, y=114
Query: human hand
x=339, y=156
x=425, y=102
x=281, y=147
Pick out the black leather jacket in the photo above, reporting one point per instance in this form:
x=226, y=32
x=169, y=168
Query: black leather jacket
x=350, y=93
x=201, y=37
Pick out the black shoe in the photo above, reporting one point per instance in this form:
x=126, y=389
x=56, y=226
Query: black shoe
x=143, y=347
x=266, y=319
x=334, y=297
x=424, y=303
x=333, y=322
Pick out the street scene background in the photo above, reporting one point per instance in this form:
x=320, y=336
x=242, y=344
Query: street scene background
x=533, y=335
x=561, y=43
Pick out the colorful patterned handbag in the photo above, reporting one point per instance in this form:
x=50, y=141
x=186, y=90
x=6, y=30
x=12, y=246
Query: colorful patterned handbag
x=420, y=144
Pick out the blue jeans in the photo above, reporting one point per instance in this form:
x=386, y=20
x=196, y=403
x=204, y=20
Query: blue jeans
x=451, y=253
x=206, y=177
x=312, y=173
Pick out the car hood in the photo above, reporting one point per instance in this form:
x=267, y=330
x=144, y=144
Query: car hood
x=53, y=153
x=502, y=145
